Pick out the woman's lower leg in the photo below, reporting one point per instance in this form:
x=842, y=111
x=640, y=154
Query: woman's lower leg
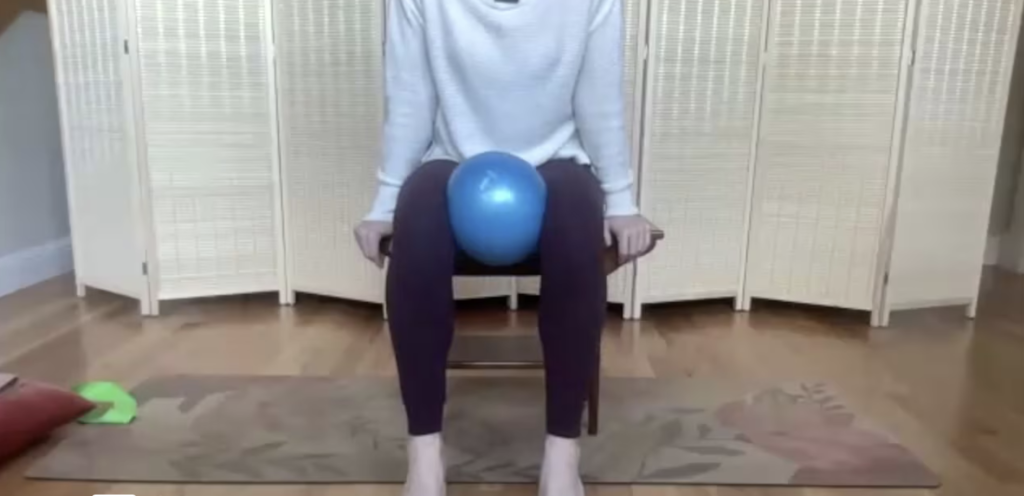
x=572, y=311
x=421, y=310
x=422, y=318
x=573, y=291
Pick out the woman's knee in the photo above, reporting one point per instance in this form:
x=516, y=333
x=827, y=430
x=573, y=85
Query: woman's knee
x=422, y=197
x=574, y=195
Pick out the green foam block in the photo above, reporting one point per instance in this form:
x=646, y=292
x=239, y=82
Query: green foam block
x=114, y=405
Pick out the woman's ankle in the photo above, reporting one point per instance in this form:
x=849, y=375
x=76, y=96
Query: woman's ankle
x=426, y=475
x=560, y=473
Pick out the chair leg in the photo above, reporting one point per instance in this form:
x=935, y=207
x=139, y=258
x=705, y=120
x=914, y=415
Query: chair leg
x=594, y=403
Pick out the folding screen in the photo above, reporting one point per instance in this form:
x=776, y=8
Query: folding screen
x=702, y=90
x=204, y=84
x=99, y=151
x=620, y=284
x=823, y=158
x=957, y=105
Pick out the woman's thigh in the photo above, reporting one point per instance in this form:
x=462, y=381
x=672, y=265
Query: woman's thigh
x=575, y=205
x=573, y=218
x=423, y=198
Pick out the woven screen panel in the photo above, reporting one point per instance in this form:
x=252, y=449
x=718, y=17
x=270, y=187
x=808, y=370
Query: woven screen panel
x=705, y=60
x=828, y=114
x=88, y=46
x=331, y=98
x=620, y=284
x=954, y=128
x=205, y=87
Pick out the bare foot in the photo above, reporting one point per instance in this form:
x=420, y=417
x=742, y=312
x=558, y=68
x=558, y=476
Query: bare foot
x=560, y=474
x=426, y=467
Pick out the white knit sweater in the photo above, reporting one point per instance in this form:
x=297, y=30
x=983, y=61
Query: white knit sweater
x=541, y=79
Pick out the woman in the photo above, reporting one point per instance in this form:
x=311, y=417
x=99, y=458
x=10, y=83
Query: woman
x=541, y=79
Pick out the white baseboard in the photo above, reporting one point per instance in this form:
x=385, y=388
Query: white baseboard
x=992, y=250
x=34, y=265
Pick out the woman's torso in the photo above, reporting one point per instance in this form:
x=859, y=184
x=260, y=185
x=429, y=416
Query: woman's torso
x=505, y=74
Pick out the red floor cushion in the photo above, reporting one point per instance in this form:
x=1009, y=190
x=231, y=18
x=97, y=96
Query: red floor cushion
x=30, y=411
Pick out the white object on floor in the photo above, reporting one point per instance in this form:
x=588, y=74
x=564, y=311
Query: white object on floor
x=560, y=474
x=426, y=475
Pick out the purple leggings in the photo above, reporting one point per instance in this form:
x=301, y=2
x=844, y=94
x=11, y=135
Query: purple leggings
x=573, y=294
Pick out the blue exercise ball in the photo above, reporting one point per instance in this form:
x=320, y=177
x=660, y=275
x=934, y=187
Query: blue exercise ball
x=496, y=205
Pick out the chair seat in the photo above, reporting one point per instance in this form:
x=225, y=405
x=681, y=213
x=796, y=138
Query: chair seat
x=467, y=267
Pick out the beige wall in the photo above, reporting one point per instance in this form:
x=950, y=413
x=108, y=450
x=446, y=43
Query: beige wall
x=1007, y=223
x=33, y=206
x=1011, y=254
x=1011, y=152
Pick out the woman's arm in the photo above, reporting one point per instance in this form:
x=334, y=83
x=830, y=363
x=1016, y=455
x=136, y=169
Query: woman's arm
x=600, y=109
x=411, y=103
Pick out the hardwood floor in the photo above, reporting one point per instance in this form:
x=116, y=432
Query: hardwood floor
x=952, y=390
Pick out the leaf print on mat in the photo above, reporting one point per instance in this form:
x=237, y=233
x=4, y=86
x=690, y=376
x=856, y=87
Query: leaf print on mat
x=313, y=456
x=295, y=466
x=186, y=469
x=262, y=449
x=688, y=471
x=240, y=467
x=528, y=471
x=670, y=431
x=713, y=450
x=758, y=439
x=331, y=469
x=704, y=431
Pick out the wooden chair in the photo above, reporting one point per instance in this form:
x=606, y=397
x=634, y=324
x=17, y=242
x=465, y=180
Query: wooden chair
x=521, y=352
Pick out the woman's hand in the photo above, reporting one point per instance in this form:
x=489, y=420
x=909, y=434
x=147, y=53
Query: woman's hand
x=369, y=233
x=633, y=234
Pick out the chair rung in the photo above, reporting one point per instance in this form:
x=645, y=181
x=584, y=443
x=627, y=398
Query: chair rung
x=483, y=365
x=496, y=351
